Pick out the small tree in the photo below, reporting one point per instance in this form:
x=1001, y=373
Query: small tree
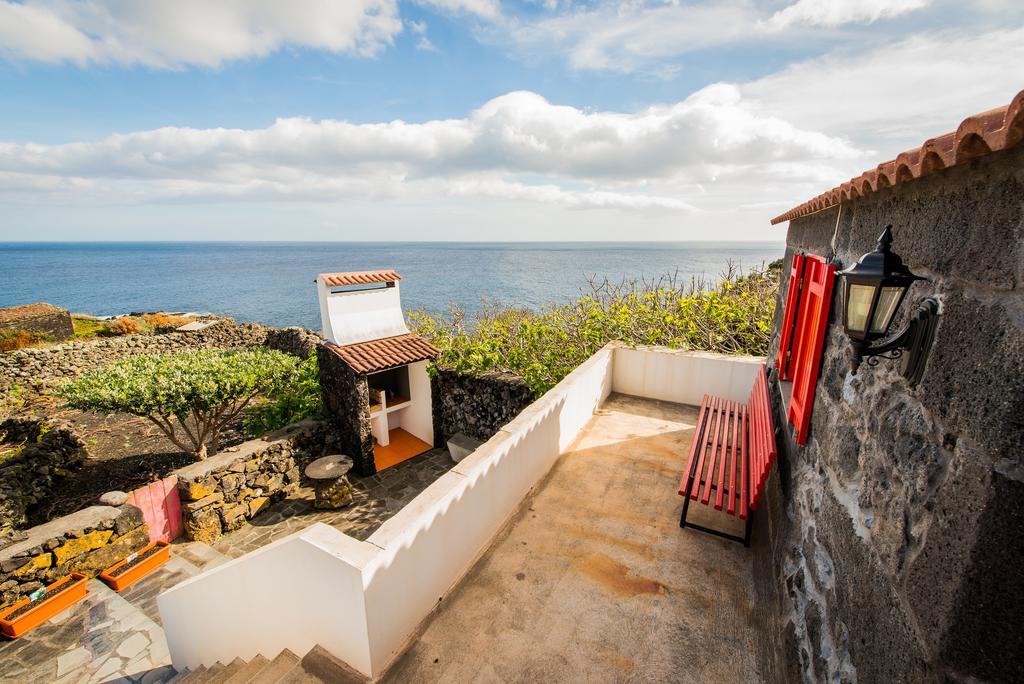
x=189, y=396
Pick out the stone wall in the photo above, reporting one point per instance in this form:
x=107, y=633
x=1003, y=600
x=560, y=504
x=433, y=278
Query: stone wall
x=897, y=530
x=40, y=368
x=220, y=493
x=34, y=454
x=347, y=409
x=476, y=405
x=43, y=319
x=88, y=541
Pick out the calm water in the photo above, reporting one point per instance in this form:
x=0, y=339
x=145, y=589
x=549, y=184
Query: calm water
x=273, y=282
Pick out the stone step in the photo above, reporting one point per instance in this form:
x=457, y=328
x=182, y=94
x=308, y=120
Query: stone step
x=248, y=671
x=227, y=671
x=192, y=676
x=277, y=668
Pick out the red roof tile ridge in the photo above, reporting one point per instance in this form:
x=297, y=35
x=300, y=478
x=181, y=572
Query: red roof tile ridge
x=983, y=133
x=384, y=353
x=359, y=277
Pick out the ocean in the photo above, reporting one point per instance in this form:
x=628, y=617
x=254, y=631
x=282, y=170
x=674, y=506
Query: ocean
x=272, y=283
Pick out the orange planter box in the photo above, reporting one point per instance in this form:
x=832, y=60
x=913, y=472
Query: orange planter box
x=15, y=626
x=118, y=581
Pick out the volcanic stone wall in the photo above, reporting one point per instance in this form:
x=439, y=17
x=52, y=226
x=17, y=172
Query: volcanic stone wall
x=347, y=409
x=896, y=532
x=41, y=368
x=477, y=405
x=88, y=541
x=35, y=453
x=221, y=493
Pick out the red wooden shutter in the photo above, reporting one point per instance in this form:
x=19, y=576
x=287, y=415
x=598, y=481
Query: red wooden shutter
x=784, y=361
x=810, y=337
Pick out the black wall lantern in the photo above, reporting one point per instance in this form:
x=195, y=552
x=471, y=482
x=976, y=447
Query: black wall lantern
x=875, y=287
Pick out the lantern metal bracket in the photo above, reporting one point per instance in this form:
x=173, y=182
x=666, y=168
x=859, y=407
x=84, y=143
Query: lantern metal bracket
x=911, y=344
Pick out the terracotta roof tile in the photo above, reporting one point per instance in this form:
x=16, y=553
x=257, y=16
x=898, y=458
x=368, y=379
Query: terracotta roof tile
x=359, y=277
x=389, y=352
x=978, y=135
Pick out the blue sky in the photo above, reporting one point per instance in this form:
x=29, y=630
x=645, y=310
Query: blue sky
x=471, y=119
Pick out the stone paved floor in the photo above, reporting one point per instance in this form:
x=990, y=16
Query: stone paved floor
x=375, y=499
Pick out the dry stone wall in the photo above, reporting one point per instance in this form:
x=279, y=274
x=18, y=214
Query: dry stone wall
x=347, y=409
x=88, y=541
x=221, y=493
x=477, y=405
x=41, y=368
x=898, y=528
x=36, y=453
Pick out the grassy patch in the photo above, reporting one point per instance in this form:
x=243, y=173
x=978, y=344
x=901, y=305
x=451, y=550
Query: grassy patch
x=733, y=316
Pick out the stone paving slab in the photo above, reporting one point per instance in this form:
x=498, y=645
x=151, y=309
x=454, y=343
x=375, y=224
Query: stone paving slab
x=103, y=638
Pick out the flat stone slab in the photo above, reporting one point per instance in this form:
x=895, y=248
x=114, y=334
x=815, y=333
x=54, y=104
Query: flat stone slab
x=460, y=446
x=196, y=326
x=329, y=467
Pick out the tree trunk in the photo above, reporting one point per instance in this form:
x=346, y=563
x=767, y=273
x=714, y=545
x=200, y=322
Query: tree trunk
x=201, y=453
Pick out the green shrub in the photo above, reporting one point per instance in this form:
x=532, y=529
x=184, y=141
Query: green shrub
x=189, y=396
x=733, y=316
x=288, y=403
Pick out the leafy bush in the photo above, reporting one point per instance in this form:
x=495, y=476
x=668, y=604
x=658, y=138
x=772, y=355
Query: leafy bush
x=126, y=325
x=733, y=316
x=289, y=403
x=189, y=396
x=12, y=339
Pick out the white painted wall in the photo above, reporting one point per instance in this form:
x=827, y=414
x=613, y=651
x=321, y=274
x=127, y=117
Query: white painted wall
x=361, y=315
x=682, y=376
x=363, y=601
x=418, y=419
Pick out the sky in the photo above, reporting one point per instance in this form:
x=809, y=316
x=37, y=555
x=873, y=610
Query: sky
x=471, y=119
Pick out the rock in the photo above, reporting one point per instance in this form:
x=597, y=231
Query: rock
x=83, y=544
x=230, y=483
x=257, y=505
x=40, y=562
x=114, y=498
x=129, y=518
x=11, y=564
x=29, y=587
x=100, y=559
x=214, y=498
x=195, y=490
x=234, y=517
x=203, y=525
x=237, y=467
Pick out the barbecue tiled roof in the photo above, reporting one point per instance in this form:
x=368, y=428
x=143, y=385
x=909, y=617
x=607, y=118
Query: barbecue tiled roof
x=385, y=353
x=978, y=135
x=358, y=278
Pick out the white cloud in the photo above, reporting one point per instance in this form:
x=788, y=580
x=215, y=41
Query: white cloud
x=190, y=32
x=899, y=94
x=839, y=12
x=518, y=146
x=489, y=9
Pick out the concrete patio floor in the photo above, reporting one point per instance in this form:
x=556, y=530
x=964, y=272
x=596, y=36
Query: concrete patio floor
x=593, y=580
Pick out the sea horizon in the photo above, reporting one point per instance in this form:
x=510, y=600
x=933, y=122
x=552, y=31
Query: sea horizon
x=271, y=282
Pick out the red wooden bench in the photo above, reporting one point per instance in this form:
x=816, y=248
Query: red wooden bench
x=732, y=453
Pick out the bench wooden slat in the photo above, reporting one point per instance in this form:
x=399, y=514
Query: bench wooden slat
x=707, y=475
x=698, y=437
x=728, y=449
x=702, y=457
x=744, y=464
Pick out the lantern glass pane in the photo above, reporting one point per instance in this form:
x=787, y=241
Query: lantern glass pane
x=888, y=300
x=858, y=306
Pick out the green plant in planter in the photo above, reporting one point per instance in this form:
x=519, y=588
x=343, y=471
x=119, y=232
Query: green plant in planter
x=288, y=403
x=189, y=396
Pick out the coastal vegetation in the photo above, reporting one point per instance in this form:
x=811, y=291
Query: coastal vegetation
x=190, y=396
x=289, y=402
x=732, y=316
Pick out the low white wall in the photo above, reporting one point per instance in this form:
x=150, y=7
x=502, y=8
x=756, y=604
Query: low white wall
x=364, y=600
x=683, y=377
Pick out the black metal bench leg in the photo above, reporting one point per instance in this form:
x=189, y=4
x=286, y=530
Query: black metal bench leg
x=750, y=527
x=686, y=503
